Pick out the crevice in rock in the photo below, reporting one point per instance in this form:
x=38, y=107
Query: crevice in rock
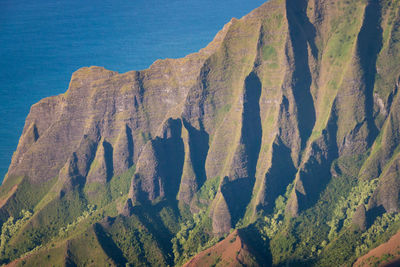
x=193, y=111
x=198, y=145
x=239, y=187
x=314, y=174
x=369, y=44
x=278, y=177
x=81, y=160
x=160, y=165
x=302, y=34
x=108, y=159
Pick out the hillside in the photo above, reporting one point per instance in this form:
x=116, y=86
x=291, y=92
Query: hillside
x=285, y=127
x=387, y=254
x=235, y=250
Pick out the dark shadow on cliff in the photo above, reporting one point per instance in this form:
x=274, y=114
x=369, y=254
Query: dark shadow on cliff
x=374, y=213
x=257, y=246
x=149, y=216
x=369, y=45
x=278, y=177
x=302, y=34
x=169, y=156
x=316, y=174
x=109, y=246
x=238, y=190
x=131, y=147
x=198, y=145
x=108, y=158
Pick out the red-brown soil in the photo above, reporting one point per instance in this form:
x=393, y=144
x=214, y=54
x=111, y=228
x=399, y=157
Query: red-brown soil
x=232, y=251
x=387, y=254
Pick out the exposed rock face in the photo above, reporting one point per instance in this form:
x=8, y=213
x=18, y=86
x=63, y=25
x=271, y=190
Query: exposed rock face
x=123, y=151
x=387, y=194
x=267, y=108
x=220, y=214
x=78, y=164
x=360, y=217
x=101, y=169
x=160, y=166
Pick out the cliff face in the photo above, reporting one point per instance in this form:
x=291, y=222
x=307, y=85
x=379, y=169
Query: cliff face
x=281, y=104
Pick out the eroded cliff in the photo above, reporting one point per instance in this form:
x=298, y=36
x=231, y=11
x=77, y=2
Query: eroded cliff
x=283, y=105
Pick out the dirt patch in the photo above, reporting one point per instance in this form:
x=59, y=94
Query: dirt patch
x=231, y=251
x=387, y=254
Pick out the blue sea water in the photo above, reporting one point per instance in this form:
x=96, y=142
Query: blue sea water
x=43, y=42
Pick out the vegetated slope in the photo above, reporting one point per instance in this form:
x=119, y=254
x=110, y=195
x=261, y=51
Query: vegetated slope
x=387, y=254
x=286, y=125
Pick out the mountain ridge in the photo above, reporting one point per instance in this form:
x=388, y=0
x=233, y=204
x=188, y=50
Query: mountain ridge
x=290, y=112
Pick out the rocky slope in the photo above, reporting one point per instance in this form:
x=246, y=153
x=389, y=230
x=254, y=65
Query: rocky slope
x=287, y=124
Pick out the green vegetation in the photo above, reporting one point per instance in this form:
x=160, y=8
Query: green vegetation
x=216, y=261
x=72, y=226
x=26, y=196
x=345, y=208
x=44, y=225
x=8, y=184
x=345, y=31
x=209, y=189
x=119, y=185
x=383, y=228
x=274, y=222
x=307, y=236
x=269, y=53
x=341, y=250
x=136, y=242
x=194, y=236
x=321, y=68
x=11, y=227
x=100, y=194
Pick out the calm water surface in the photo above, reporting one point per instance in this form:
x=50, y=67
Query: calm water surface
x=43, y=41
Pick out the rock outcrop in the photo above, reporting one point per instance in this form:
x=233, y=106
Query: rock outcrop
x=261, y=96
x=267, y=109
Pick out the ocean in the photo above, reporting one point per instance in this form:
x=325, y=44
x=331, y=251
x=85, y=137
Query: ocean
x=43, y=42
